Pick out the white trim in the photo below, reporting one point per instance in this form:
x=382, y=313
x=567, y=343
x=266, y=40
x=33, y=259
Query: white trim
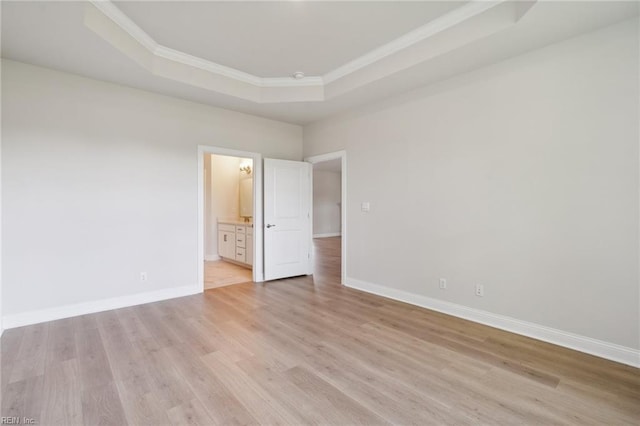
x=431, y=28
x=343, y=175
x=444, y=22
x=327, y=235
x=196, y=62
x=212, y=67
x=123, y=21
x=291, y=82
x=112, y=12
x=212, y=257
x=258, y=268
x=50, y=314
x=577, y=342
x=321, y=158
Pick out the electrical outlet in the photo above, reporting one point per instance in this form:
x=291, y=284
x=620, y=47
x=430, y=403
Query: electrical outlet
x=479, y=290
x=143, y=276
x=443, y=283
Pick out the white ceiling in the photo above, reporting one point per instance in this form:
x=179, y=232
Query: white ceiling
x=54, y=35
x=278, y=38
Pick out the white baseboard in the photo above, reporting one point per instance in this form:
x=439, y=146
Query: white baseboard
x=580, y=343
x=211, y=257
x=330, y=234
x=67, y=311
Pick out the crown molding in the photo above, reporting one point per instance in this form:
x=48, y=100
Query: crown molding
x=123, y=21
x=194, y=61
x=289, y=82
x=166, y=62
x=444, y=22
x=116, y=15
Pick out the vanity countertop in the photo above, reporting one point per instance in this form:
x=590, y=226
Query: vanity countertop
x=236, y=222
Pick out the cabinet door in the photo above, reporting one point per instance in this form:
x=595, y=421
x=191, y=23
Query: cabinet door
x=227, y=244
x=249, y=249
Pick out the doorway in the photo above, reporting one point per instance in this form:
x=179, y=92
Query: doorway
x=230, y=217
x=329, y=213
x=228, y=221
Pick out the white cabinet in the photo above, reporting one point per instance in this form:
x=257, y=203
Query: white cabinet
x=235, y=242
x=226, y=241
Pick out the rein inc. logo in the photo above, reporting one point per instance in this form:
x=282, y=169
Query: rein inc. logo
x=15, y=420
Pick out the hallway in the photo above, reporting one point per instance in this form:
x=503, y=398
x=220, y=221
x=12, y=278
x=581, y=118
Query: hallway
x=327, y=257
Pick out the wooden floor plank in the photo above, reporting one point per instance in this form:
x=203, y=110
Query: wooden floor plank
x=61, y=344
x=331, y=399
x=217, y=399
x=62, y=395
x=102, y=406
x=167, y=383
x=262, y=405
x=31, y=356
x=23, y=399
x=191, y=413
x=93, y=363
x=304, y=407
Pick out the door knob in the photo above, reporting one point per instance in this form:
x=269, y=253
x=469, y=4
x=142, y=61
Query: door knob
x=270, y=225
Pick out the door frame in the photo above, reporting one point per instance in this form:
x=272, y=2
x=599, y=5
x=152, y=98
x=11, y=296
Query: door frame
x=258, y=272
x=343, y=203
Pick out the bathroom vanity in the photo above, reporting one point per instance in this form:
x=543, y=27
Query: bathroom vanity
x=235, y=241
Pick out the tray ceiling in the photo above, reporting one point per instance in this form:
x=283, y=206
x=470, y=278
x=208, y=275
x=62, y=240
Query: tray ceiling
x=277, y=39
x=105, y=42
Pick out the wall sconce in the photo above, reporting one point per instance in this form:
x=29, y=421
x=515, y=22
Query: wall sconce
x=246, y=169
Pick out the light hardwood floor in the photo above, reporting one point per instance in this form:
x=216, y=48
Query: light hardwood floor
x=220, y=273
x=301, y=351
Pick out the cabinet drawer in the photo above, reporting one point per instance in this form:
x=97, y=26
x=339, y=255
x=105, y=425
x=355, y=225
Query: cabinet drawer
x=240, y=240
x=226, y=227
x=240, y=229
x=240, y=254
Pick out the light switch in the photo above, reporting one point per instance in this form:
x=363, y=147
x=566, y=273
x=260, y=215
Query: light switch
x=365, y=207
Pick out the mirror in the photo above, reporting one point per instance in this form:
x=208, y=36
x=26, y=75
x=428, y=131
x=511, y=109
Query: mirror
x=246, y=197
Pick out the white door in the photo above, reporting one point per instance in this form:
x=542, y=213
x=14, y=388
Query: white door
x=287, y=218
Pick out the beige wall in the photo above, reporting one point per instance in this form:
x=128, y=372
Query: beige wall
x=522, y=176
x=100, y=183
